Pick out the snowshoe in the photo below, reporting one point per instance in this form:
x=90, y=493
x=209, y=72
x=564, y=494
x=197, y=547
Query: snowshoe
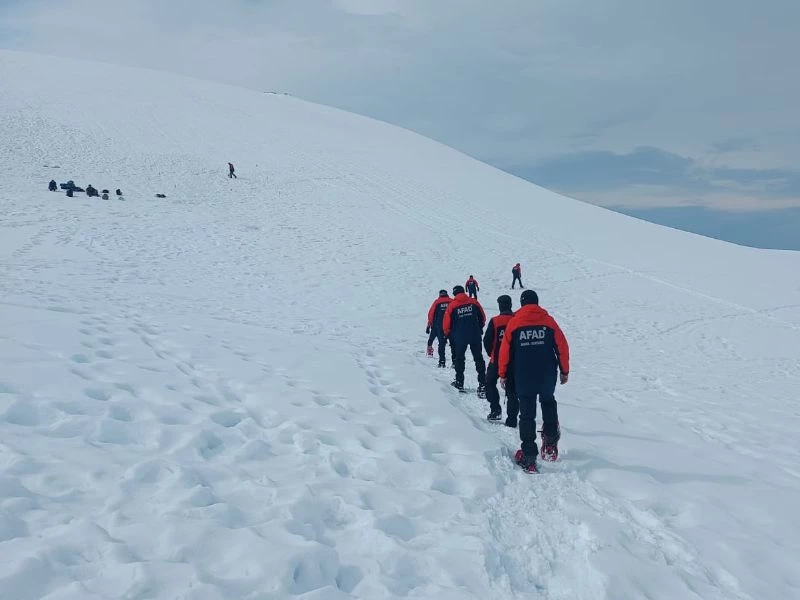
x=429, y=351
x=494, y=415
x=549, y=451
x=481, y=391
x=526, y=464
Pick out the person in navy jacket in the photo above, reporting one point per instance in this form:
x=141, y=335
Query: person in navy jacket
x=516, y=274
x=492, y=339
x=463, y=326
x=533, y=351
x=472, y=287
x=435, y=329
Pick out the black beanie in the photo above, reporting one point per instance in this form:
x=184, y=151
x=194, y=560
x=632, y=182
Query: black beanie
x=458, y=289
x=442, y=293
x=504, y=302
x=529, y=297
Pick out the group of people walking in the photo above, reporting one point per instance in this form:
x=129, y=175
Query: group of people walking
x=528, y=354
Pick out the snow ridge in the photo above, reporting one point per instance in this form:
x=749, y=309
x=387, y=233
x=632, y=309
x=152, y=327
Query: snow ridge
x=223, y=395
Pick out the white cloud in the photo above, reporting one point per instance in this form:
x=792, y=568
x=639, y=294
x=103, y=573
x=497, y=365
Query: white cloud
x=510, y=81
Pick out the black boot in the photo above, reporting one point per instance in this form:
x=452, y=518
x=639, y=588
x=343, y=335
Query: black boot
x=494, y=414
x=459, y=385
x=511, y=422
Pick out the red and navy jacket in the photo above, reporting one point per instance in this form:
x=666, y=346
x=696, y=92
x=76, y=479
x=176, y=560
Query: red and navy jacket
x=464, y=318
x=533, y=349
x=494, y=335
x=472, y=285
x=517, y=270
x=436, y=312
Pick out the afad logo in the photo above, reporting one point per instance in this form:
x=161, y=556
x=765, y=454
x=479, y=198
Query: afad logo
x=464, y=310
x=533, y=334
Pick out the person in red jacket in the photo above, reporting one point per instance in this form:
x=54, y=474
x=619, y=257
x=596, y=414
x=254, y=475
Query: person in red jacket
x=463, y=326
x=492, y=339
x=435, y=329
x=533, y=350
x=472, y=287
x=516, y=273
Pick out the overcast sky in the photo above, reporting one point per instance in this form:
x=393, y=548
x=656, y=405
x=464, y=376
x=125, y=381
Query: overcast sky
x=619, y=102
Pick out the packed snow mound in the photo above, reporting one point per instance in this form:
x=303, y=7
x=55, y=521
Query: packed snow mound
x=224, y=393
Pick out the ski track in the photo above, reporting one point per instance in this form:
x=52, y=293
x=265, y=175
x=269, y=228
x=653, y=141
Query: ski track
x=223, y=395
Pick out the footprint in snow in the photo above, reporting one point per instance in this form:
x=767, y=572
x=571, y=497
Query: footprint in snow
x=97, y=394
x=227, y=418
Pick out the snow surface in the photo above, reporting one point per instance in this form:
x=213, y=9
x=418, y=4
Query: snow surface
x=223, y=394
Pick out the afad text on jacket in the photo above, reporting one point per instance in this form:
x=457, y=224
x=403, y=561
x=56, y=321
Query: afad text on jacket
x=493, y=337
x=533, y=350
x=464, y=318
x=436, y=312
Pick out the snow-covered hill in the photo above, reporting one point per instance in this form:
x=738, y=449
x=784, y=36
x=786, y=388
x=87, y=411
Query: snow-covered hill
x=223, y=394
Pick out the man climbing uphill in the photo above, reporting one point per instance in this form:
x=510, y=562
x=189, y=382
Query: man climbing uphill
x=472, y=287
x=435, y=329
x=516, y=272
x=533, y=350
x=492, y=339
x=463, y=326
x=231, y=172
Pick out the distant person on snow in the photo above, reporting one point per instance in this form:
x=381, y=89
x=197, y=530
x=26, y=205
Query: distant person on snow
x=119, y=192
x=70, y=193
x=105, y=195
x=52, y=186
x=492, y=340
x=231, y=172
x=91, y=191
x=472, y=287
x=516, y=272
x=463, y=326
x=435, y=329
x=533, y=350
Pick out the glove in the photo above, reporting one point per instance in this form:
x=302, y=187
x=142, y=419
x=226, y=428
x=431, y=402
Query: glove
x=427, y=330
x=564, y=378
x=503, y=383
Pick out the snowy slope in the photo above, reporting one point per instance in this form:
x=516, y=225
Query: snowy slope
x=223, y=394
